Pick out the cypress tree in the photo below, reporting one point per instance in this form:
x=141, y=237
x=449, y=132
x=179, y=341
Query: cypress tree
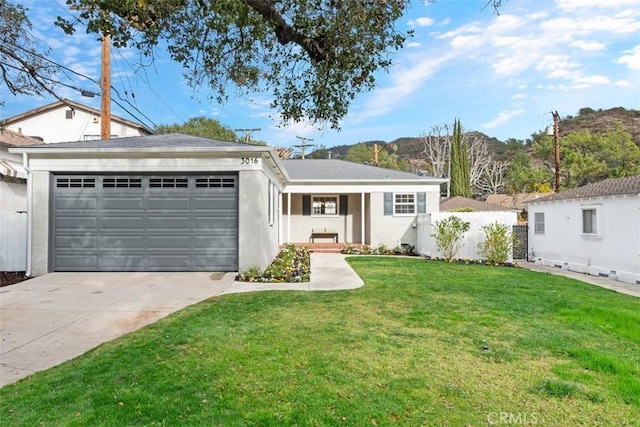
x=460, y=168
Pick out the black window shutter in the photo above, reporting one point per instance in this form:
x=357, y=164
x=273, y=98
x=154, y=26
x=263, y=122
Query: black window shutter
x=422, y=203
x=344, y=206
x=388, y=203
x=306, y=204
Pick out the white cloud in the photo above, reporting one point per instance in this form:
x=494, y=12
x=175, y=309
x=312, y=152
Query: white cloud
x=423, y=21
x=518, y=96
x=412, y=45
x=588, y=45
x=571, y=5
x=631, y=58
x=503, y=117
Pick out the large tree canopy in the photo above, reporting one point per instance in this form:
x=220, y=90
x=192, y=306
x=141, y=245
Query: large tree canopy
x=313, y=56
x=23, y=68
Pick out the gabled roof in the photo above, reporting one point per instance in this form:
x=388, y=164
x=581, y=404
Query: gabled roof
x=73, y=105
x=171, y=142
x=459, y=202
x=9, y=138
x=608, y=187
x=314, y=170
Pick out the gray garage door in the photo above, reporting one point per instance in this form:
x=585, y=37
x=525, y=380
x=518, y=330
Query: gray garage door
x=145, y=223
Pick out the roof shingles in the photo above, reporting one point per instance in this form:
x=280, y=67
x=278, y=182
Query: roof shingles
x=608, y=187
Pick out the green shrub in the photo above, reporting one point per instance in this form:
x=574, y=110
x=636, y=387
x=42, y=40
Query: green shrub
x=449, y=233
x=498, y=243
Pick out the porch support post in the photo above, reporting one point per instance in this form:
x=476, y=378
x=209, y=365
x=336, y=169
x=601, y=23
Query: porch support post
x=288, y=217
x=362, y=219
x=280, y=222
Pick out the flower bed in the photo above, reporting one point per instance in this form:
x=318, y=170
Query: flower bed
x=379, y=250
x=292, y=265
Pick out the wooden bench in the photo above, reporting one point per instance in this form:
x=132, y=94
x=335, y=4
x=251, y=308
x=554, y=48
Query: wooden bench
x=324, y=232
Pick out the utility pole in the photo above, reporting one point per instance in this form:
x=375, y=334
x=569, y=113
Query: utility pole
x=376, y=151
x=304, y=145
x=247, y=133
x=105, y=85
x=556, y=135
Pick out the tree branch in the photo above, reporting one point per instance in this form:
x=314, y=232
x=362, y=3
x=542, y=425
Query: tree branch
x=286, y=33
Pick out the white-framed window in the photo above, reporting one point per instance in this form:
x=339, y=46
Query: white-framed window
x=589, y=221
x=272, y=202
x=404, y=203
x=324, y=205
x=538, y=223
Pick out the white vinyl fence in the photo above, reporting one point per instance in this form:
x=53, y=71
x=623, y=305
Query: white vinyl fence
x=426, y=244
x=13, y=241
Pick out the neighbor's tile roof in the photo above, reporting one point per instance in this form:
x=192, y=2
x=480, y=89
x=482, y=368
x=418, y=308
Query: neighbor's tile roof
x=608, y=187
x=459, y=202
x=10, y=138
x=340, y=170
x=172, y=140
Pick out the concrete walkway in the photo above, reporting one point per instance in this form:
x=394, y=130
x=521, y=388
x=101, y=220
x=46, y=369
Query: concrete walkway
x=604, y=282
x=56, y=317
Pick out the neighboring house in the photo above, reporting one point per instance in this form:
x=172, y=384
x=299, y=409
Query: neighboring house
x=13, y=177
x=516, y=201
x=593, y=229
x=464, y=203
x=64, y=121
x=183, y=203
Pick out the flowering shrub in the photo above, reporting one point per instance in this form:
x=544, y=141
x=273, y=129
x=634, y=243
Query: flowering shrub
x=380, y=250
x=290, y=266
x=473, y=261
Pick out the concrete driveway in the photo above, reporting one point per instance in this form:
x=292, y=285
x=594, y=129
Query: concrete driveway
x=52, y=318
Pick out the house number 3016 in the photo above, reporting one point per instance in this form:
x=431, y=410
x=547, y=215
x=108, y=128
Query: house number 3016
x=249, y=161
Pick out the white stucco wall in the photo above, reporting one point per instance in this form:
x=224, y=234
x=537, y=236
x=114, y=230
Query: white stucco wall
x=613, y=251
x=427, y=244
x=257, y=239
x=53, y=126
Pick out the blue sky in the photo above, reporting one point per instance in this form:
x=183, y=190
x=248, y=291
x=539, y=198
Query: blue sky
x=501, y=75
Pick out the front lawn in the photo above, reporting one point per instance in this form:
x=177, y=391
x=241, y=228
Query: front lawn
x=422, y=343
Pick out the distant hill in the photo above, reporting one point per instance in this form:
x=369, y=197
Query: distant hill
x=599, y=121
x=596, y=121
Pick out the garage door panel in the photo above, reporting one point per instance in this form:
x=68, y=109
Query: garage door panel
x=216, y=223
x=76, y=242
x=122, y=204
x=169, y=262
x=121, y=242
x=169, y=242
x=82, y=223
x=173, y=223
x=145, y=223
x=122, y=262
x=168, y=203
x=226, y=204
x=76, y=204
x=77, y=262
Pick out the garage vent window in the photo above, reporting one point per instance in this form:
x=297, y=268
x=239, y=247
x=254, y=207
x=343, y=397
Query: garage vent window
x=168, y=183
x=122, y=183
x=75, y=183
x=215, y=182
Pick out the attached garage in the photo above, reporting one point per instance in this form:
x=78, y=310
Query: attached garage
x=170, y=202
x=145, y=223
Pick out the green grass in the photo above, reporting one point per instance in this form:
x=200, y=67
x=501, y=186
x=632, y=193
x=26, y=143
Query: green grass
x=423, y=343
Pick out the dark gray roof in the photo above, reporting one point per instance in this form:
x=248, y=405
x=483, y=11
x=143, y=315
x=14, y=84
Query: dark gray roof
x=608, y=187
x=340, y=170
x=172, y=140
